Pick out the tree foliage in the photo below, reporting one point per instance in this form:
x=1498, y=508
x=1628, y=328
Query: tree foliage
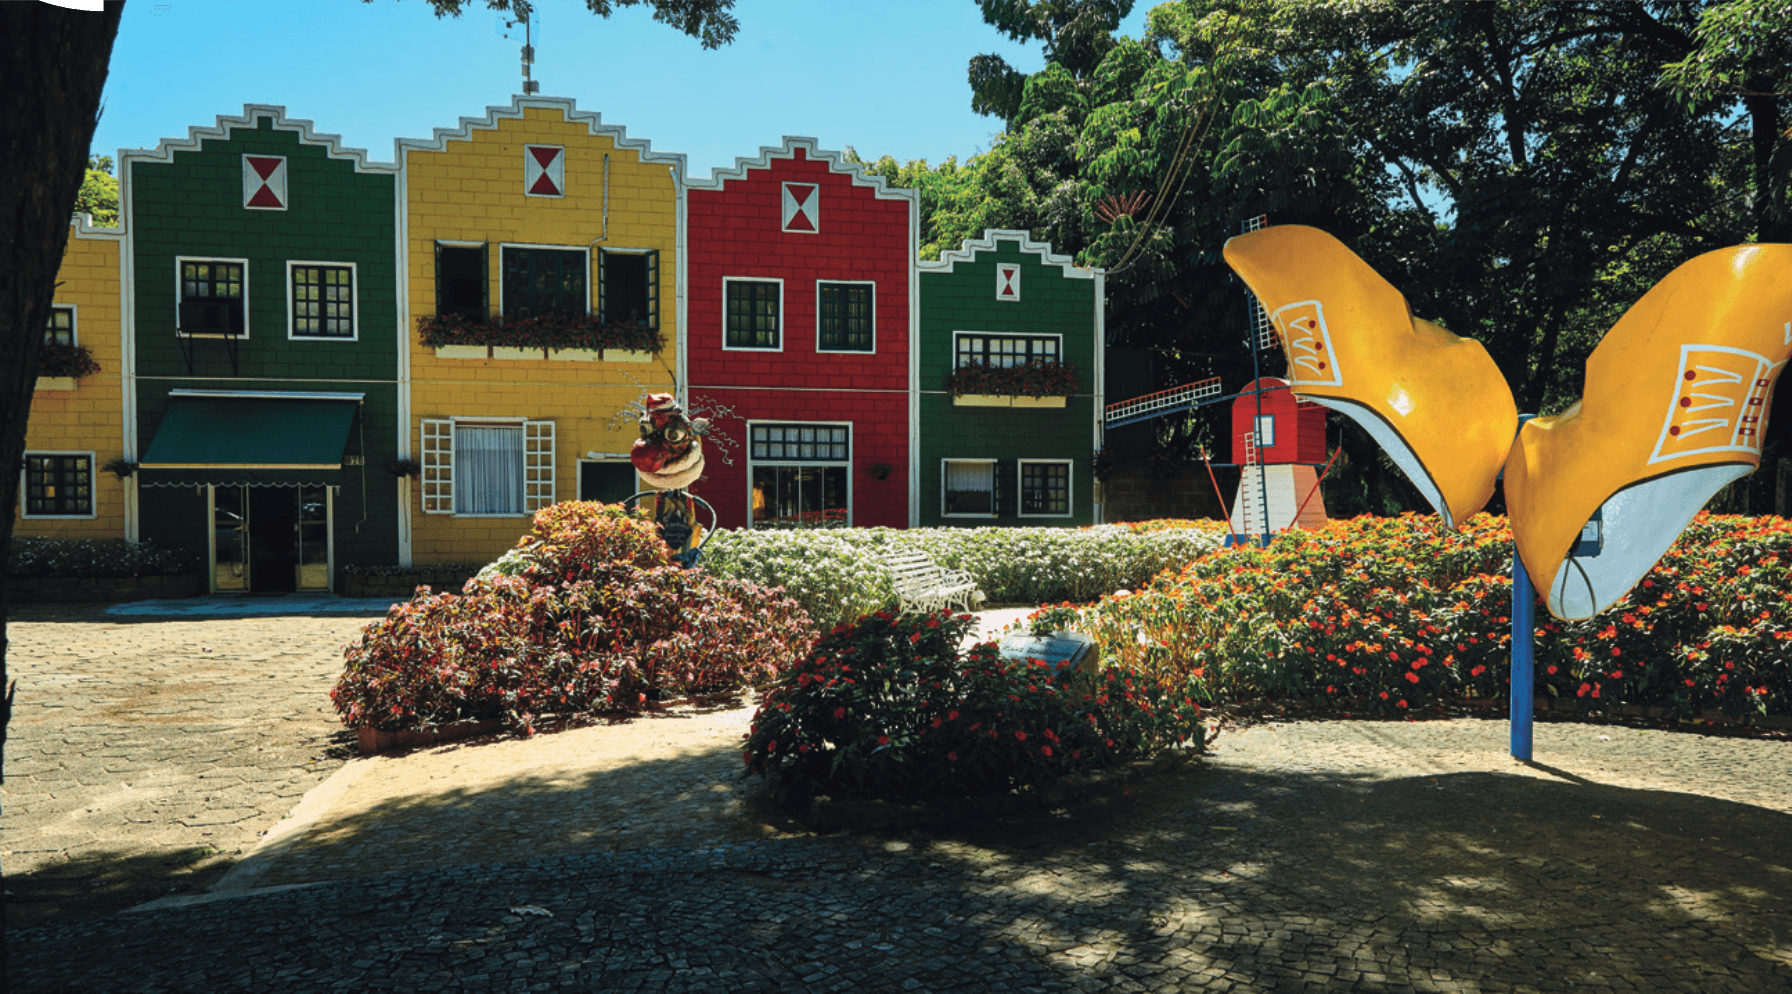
x=98, y=198
x=709, y=21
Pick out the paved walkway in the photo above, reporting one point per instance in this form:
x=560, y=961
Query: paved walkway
x=1323, y=856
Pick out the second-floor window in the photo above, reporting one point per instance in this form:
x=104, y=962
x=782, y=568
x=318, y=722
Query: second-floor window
x=460, y=281
x=544, y=281
x=323, y=300
x=628, y=287
x=61, y=330
x=753, y=314
x=1005, y=351
x=211, y=296
x=844, y=314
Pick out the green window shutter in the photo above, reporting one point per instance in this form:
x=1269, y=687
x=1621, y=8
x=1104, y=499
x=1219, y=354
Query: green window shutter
x=653, y=290
x=1004, y=501
x=603, y=286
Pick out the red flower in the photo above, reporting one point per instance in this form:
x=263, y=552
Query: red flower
x=1047, y=750
x=1402, y=703
x=883, y=740
x=1020, y=735
x=1412, y=677
x=839, y=712
x=1477, y=671
x=952, y=757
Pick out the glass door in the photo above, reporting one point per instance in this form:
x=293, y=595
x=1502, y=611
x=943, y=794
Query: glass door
x=314, y=538
x=230, y=539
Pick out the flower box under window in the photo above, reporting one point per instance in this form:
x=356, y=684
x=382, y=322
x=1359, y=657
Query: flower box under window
x=578, y=337
x=1043, y=383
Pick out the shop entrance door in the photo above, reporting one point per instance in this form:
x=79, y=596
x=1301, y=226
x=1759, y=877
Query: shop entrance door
x=270, y=539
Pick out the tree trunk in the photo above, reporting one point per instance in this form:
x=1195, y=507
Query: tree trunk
x=52, y=71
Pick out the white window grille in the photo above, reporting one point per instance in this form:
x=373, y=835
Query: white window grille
x=487, y=468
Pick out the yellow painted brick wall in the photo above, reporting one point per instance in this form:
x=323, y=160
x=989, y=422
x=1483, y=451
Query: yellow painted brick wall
x=472, y=191
x=89, y=418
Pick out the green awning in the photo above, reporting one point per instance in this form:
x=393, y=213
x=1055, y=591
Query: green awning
x=205, y=434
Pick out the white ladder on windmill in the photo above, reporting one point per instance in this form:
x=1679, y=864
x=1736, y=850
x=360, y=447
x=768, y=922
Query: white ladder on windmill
x=1251, y=518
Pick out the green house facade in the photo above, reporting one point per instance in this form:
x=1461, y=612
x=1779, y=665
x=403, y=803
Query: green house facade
x=1006, y=304
x=263, y=381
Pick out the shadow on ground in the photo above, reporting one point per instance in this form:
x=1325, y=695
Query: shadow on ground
x=1222, y=878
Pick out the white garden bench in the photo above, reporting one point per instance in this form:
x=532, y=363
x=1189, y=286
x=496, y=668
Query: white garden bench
x=924, y=586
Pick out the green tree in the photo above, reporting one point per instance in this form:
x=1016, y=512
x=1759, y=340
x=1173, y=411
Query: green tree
x=1077, y=35
x=98, y=197
x=53, y=65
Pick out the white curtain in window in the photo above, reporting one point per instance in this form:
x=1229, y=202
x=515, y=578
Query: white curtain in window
x=966, y=477
x=488, y=469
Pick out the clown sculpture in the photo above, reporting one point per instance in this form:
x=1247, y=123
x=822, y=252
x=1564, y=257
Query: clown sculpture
x=669, y=457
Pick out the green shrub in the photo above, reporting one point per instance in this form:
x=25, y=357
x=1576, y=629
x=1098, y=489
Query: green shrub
x=94, y=557
x=838, y=576
x=887, y=707
x=588, y=614
x=1399, y=613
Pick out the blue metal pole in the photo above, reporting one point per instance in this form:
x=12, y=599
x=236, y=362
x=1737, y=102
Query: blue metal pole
x=1524, y=635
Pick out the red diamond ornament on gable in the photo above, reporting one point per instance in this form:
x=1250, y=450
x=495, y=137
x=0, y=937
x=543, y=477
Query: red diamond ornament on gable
x=544, y=170
x=802, y=207
x=1007, y=281
x=264, y=182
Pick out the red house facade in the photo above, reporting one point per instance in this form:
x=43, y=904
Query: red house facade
x=801, y=285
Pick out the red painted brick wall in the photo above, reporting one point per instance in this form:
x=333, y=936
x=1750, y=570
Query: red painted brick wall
x=736, y=230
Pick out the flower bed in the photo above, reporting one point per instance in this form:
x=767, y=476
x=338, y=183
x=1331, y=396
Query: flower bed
x=1027, y=379
x=587, y=614
x=394, y=580
x=1398, y=614
x=540, y=332
x=62, y=359
x=886, y=707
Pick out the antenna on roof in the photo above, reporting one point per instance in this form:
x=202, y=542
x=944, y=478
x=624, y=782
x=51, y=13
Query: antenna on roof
x=525, y=15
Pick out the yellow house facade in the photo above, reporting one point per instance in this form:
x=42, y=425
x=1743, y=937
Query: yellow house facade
x=77, y=421
x=542, y=266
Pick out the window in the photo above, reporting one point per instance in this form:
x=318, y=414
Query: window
x=461, y=282
x=629, y=287
x=212, y=296
x=799, y=474
x=1266, y=430
x=544, y=281
x=611, y=482
x=754, y=313
x=1005, y=351
x=845, y=316
x=59, y=485
x=487, y=467
x=968, y=487
x=323, y=300
x=1044, y=489
x=61, y=330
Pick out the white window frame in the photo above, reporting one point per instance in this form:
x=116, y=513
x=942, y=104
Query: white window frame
x=769, y=422
x=956, y=335
x=180, y=293
x=93, y=504
x=1020, y=487
x=818, y=285
x=354, y=301
x=1265, y=440
x=437, y=453
x=74, y=322
x=995, y=508
x=783, y=326
x=585, y=250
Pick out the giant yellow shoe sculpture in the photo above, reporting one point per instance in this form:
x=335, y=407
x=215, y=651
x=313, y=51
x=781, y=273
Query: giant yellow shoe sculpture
x=1675, y=406
x=1435, y=402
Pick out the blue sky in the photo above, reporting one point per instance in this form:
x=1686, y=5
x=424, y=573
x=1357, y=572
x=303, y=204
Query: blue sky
x=879, y=75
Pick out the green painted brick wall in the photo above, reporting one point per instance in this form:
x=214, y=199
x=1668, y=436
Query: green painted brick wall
x=193, y=207
x=1051, y=303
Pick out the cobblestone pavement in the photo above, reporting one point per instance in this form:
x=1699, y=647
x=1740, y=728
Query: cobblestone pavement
x=146, y=754
x=1307, y=856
